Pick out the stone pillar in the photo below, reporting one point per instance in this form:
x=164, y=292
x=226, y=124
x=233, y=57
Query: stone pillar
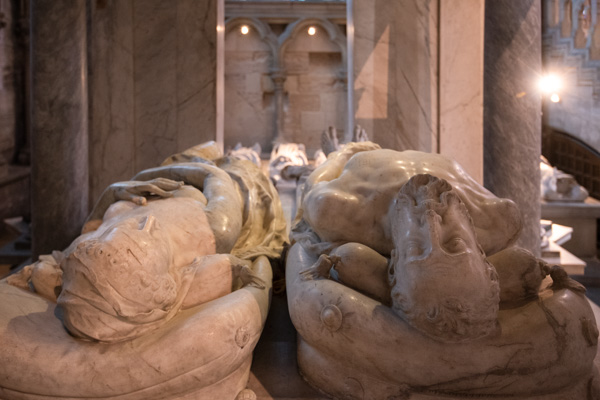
x=512, y=109
x=278, y=78
x=59, y=122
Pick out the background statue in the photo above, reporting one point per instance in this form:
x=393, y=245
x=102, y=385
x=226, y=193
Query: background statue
x=557, y=185
x=247, y=153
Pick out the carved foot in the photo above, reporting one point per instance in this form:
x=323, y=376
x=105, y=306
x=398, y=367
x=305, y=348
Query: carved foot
x=248, y=278
x=21, y=278
x=561, y=280
x=320, y=269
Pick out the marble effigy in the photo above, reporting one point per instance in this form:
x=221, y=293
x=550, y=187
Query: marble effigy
x=251, y=154
x=404, y=280
x=286, y=155
x=556, y=185
x=164, y=294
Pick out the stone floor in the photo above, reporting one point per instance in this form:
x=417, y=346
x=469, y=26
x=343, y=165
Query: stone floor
x=274, y=374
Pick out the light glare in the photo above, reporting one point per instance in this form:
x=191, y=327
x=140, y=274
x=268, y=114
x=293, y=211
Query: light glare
x=312, y=30
x=244, y=29
x=550, y=84
x=555, y=98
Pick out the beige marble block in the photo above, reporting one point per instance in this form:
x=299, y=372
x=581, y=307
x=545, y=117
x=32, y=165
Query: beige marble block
x=395, y=59
x=461, y=84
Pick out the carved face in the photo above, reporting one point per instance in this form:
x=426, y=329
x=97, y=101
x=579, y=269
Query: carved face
x=565, y=183
x=441, y=282
x=128, y=265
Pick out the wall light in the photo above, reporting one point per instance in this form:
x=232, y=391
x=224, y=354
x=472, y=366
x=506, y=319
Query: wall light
x=555, y=98
x=244, y=29
x=312, y=30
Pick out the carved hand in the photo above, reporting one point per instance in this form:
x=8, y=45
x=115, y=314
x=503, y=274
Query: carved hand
x=137, y=191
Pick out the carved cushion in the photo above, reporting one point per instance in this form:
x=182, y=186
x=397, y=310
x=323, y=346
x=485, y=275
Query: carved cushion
x=350, y=344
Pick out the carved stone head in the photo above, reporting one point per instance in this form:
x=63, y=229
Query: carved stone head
x=441, y=282
x=120, y=278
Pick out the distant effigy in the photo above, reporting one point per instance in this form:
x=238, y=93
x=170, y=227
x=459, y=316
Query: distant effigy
x=404, y=278
x=286, y=155
x=330, y=142
x=555, y=185
x=171, y=265
x=251, y=154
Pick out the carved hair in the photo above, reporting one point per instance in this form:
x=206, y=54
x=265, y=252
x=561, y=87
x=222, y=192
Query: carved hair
x=426, y=192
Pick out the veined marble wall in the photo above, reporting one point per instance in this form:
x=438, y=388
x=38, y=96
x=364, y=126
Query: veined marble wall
x=395, y=72
x=111, y=85
x=152, y=85
x=7, y=92
x=461, y=83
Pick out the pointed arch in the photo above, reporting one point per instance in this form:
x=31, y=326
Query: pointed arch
x=263, y=30
x=334, y=33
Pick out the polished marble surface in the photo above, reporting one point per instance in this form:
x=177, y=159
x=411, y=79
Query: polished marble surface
x=274, y=374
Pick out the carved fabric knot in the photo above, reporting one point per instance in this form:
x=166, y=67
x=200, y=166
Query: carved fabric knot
x=242, y=337
x=332, y=317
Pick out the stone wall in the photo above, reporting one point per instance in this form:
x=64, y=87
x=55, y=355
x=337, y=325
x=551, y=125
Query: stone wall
x=315, y=88
x=249, y=99
x=152, y=83
x=282, y=84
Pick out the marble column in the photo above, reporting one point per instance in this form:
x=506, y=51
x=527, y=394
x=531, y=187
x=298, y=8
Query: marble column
x=59, y=122
x=512, y=108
